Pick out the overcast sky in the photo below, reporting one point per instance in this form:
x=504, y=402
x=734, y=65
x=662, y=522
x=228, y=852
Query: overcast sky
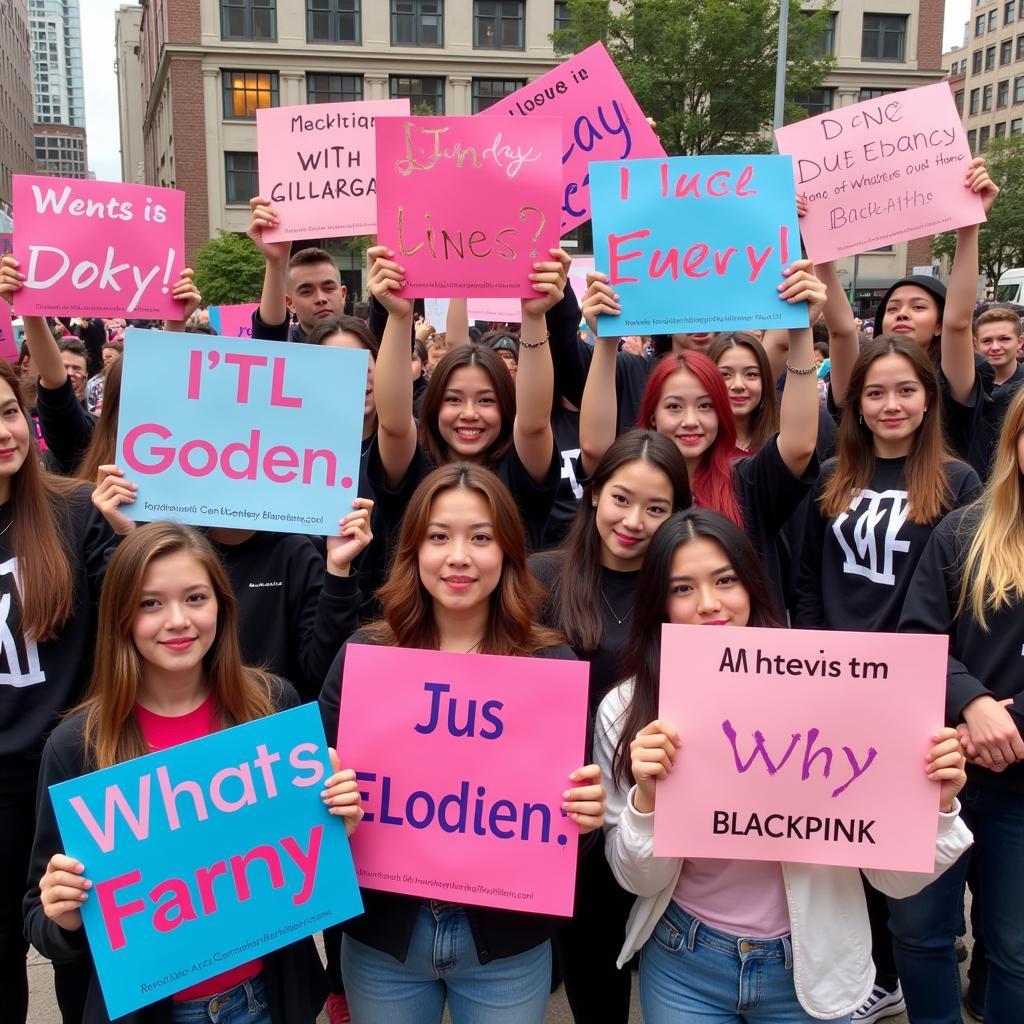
x=101, y=82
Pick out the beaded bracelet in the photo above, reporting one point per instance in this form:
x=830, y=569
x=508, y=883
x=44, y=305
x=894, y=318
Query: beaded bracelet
x=802, y=373
x=535, y=344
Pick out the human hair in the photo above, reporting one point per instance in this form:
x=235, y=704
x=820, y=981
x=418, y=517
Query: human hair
x=764, y=420
x=114, y=346
x=419, y=350
x=308, y=257
x=642, y=657
x=712, y=484
x=75, y=346
x=575, y=596
x=407, y=608
x=438, y=340
x=998, y=314
x=993, y=567
x=433, y=398
x=191, y=328
x=822, y=348
x=928, y=494
x=239, y=693
x=351, y=325
x=102, y=450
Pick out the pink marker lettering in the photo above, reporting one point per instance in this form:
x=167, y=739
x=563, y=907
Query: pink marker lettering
x=277, y=395
x=245, y=363
x=114, y=913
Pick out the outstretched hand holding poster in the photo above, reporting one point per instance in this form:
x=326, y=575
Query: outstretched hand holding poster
x=801, y=745
x=98, y=248
x=463, y=766
x=468, y=204
x=881, y=171
x=261, y=435
x=696, y=243
x=206, y=855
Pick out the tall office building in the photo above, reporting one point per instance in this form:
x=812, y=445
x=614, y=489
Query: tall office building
x=16, y=146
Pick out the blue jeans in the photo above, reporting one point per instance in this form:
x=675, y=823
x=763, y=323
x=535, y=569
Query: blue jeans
x=442, y=964
x=243, y=1004
x=693, y=974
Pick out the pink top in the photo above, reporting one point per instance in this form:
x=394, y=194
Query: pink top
x=739, y=897
x=161, y=732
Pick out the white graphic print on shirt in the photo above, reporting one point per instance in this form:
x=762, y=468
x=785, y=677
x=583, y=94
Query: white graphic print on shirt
x=570, y=460
x=867, y=533
x=14, y=651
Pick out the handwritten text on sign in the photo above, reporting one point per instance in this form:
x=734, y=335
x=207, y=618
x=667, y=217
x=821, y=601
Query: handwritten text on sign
x=692, y=243
x=600, y=121
x=206, y=855
x=318, y=166
x=262, y=435
x=463, y=769
x=783, y=755
x=98, y=248
x=468, y=204
x=881, y=171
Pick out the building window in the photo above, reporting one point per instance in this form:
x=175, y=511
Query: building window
x=990, y=58
x=245, y=92
x=326, y=88
x=874, y=94
x=986, y=98
x=1001, y=130
x=958, y=99
x=979, y=25
x=976, y=59
x=1018, y=89
x=241, y=178
x=1010, y=12
x=816, y=101
x=487, y=91
x=1003, y=93
x=883, y=36
x=993, y=20
x=248, y=19
x=975, y=100
x=425, y=94
x=417, y=22
x=1006, y=51
x=498, y=24
x=972, y=140
x=1017, y=126
x=332, y=21
x=562, y=14
x=983, y=137
x=1020, y=48
x=826, y=43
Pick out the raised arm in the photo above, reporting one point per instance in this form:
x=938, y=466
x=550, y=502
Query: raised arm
x=273, y=309
x=41, y=342
x=456, y=327
x=598, y=411
x=185, y=291
x=843, y=341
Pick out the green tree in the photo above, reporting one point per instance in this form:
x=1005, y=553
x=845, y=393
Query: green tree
x=704, y=69
x=1001, y=238
x=229, y=269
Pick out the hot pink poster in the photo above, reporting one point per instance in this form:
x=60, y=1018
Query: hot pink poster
x=233, y=321
x=600, y=118
x=318, y=166
x=882, y=171
x=463, y=759
x=468, y=204
x=8, y=343
x=98, y=248
x=801, y=745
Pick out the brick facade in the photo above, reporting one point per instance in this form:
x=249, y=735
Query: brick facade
x=189, y=127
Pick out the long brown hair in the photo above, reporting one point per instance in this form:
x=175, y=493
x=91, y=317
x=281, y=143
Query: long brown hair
x=408, y=613
x=928, y=493
x=764, y=420
x=102, y=450
x=239, y=693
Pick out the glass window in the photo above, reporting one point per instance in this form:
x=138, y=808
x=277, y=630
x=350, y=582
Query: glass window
x=972, y=140
x=1018, y=89
x=883, y=36
x=417, y=22
x=498, y=24
x=958, y=99
x=976, y=59
x=986, y=98
x=1003, y=93
x=816, y=101
x=1010, y=12
x=1006, y=51
x=979, y=25
x=1020, y=48
x=1017, y=126
x=993, y=20
x=487, y=91
x=990, y=58
x=332, y=21
x=976, y=100
x=426, y=95
x=327, y=88
x=1001, y=130
x=562, y=14
x=246, y=91
x=827, y=42
x=874, y=94
x=248, y=19
x=983, y=137
x=241, y=178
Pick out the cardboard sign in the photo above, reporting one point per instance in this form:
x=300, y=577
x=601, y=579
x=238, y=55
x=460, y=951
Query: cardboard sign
x=318, y=166
x=696, y=243
x=600, y=121
x=8, y=342
x=263, y=435
x=206, y=855
x=881, y=171
x=801, y=745
x=468, y=204
x=463, y=765
x=98, y=248
x=233, y=321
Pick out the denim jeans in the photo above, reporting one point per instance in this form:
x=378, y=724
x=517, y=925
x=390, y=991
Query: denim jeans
x=244, y=1004
x=442, y=964
x=693, y=974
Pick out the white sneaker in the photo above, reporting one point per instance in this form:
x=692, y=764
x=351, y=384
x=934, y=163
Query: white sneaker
x=880, y=1004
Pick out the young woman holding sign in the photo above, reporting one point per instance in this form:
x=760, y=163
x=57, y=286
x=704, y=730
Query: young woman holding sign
x=459, y=582
x=733, y=940
x=168, y=670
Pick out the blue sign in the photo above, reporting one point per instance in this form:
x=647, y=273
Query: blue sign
x=261, y=435
x=206, y=855
x=694, y=244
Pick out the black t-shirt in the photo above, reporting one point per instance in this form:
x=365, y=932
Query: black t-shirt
x=856, y=567
x=565, y=423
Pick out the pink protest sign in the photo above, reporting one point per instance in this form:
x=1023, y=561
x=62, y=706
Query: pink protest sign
x=463, y=759
x=496, y=311
x=882, y=171
x=801, y=745
x=8, y=343
x=468, y=204
x=98, y=248
x=318, y=166
x=601, y=120
x=233, y=321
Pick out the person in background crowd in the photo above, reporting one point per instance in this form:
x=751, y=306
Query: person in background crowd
x=76, y=365
x=998, y=337
x=506, y=345
x=437, y=349
x=112, y=350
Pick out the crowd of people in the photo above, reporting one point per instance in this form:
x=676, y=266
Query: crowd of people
x=516, y=485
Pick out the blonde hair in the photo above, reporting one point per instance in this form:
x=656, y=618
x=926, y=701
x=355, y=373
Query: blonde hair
x=993, y=568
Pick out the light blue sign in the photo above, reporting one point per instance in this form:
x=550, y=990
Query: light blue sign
x=261, y=435
x=695, y=244
x=206, y=856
